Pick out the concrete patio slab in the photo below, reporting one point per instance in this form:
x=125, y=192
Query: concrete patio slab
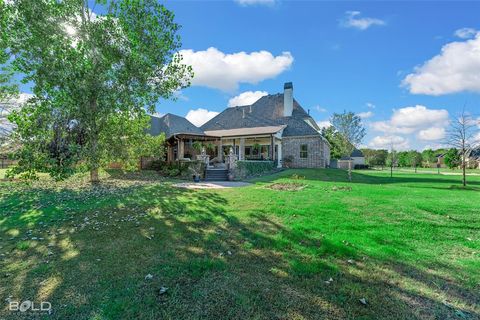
x=211, y=185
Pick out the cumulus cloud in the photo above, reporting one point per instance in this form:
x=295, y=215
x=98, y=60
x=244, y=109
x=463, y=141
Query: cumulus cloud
x=324, y=124
x=365, y=115
x=352, y=19
x=411, y=119
x=370, y=105
x=7, y=107
x=246, y=98
x=455, y=69
x=387, y=141
x=430, y=134
x=215, y=69
x=200, y=116
x=255, y=2
x=465, y=33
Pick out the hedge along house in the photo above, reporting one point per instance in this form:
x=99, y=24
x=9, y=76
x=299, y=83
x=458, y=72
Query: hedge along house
x=274, y=128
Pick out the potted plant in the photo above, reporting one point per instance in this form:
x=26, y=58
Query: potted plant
x=197, y=145
x=195, y=173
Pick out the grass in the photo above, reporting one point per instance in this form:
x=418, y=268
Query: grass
x=409, y=246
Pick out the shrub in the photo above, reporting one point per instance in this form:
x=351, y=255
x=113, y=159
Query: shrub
x=360, y=166
x=287, y=161
x=253, y=168
x=182, y=169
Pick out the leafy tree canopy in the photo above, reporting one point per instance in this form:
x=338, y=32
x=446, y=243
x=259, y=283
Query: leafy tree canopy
x=94, y=78
x=452, y=158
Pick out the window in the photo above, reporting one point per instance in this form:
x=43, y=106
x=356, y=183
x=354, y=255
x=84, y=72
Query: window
x=303, y=151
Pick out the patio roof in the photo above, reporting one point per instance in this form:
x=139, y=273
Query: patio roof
x=254, y=131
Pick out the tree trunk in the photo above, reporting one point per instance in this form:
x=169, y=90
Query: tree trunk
x=350, y=171
x=94, y=176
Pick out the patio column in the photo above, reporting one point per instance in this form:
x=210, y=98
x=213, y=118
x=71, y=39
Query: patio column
x=279, y=156
x=181, y=149
x=241, y=150
x=220, y=151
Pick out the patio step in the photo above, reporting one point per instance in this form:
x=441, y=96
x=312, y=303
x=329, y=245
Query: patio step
x=216, y=175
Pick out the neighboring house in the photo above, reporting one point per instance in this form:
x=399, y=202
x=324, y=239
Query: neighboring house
x=274, y=128
x=473, y=159
x=440, y=160
x=357, y=157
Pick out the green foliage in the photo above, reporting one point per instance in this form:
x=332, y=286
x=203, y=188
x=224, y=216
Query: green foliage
x=414, y=158
x=94, y=79
x=452, y=158
x=253, y=168
x=428, y=157
x=182, y=169
x=350, y=131
x=334, y=138
x=197, y=145
x=375, y=157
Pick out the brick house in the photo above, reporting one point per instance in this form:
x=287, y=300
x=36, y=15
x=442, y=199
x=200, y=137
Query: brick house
x=274, y=128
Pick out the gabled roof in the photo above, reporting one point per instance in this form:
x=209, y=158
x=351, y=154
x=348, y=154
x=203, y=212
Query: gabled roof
x=171, y=125
x=266, y=111
x=357, y=153
x=474, y=153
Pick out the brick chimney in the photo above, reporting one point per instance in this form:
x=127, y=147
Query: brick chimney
x=287, y=99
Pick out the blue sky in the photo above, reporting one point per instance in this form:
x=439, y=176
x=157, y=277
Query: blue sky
x=344, y=55
x=406, y=67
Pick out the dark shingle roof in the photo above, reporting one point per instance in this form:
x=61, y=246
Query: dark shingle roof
x=172, y=124
x=267, y=111
x=357, y=153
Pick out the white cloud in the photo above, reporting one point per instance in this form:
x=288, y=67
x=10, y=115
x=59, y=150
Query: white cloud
x=353, y=20
x=255, y=2
x=219, y=70
x=431, y=134
x=411, y=119
x=7, y=107
x=200, y=116
x=365, y=115
x=419, y=116
x=246, y=98
x=370, y=105
x=455, y=69
x=324, y=124
x=465, y=33
x=386, y=142
x=320, y=109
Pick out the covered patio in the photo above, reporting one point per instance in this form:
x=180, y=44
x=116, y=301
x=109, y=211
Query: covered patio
x=258, y=143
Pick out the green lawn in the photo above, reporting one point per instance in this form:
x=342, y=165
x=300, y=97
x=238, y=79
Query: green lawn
x=409, y=246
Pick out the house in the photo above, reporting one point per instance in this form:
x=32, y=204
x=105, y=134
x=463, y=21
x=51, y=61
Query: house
x=472, y=160
x=357, y=157
x=274, y=128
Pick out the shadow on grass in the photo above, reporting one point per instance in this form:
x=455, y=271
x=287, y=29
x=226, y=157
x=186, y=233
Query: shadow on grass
x=99, y=245
x=374, y=177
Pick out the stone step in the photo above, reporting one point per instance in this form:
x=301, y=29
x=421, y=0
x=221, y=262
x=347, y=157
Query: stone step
x=216, y=175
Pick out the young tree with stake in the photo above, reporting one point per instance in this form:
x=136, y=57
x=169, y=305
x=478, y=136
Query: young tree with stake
x=462, y=135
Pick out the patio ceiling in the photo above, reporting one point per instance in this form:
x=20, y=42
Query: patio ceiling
x=255, y=131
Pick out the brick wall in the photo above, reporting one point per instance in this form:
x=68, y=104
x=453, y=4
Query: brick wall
x=318, y=153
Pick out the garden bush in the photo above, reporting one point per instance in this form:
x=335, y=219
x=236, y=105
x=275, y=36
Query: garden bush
x=253, y=168
x=179, y=169
x=360, y=166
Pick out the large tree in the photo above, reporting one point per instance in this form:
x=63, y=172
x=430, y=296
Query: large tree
x=333, y=137
x=351, y=133
x=95, y=76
